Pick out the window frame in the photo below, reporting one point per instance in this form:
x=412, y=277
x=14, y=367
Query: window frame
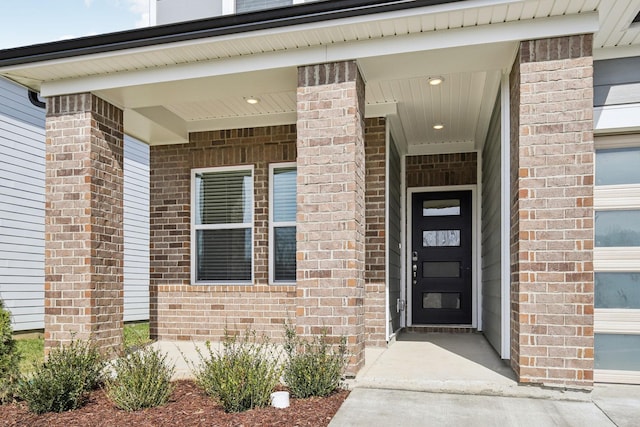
x=195, y=227
x=272, y=224
x=616, y=259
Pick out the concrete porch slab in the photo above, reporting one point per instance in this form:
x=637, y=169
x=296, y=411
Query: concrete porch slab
x=447, y=363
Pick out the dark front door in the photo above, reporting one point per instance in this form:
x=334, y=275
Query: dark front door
x=441, y=258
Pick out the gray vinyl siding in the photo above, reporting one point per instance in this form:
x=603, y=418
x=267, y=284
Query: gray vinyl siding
x=136, y=230
x=252, y=5
x=394, y=235
x=21, y=207
x=22, y=154
x=491, y=229
x=169, y=11
x=616, y=81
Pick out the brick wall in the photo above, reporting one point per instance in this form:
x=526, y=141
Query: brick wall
x=180, y=311
x=552, y=211
x=331, y=204
x=441, y=170
x=375, y=248
x=83, y=222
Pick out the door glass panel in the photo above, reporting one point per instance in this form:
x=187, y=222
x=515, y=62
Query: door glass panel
x=619, y=352
x=440, y=238
x=443, y=269
x=441, y=207
x=617, y=290
x=439, y=300
x=617, y=228
x=618, y=166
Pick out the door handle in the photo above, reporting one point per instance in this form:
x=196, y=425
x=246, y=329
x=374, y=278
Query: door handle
x=414, y=256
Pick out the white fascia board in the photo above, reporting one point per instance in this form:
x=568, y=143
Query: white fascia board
x=616, y=118
x=616, y=52
x=286, y=118
x=243, y=122
x=442, y=39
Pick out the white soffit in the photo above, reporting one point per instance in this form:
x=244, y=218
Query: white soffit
x=289, y=57
x=616, y=29
x=487, y=21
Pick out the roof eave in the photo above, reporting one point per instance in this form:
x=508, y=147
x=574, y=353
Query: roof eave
x=212, y=27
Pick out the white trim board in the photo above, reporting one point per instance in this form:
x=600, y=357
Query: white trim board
x=505, y=217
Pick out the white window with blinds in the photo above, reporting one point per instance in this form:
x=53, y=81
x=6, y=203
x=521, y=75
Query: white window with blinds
x=282, y=223
x=617, y=259
x=222, y=225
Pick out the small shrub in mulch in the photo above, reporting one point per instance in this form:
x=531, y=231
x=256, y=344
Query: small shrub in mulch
x=188, y=406
x=141, y=379
x=314, y=367
x=62, y=382
x=242, y=375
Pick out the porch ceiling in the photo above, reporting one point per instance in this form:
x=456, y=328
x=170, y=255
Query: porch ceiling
x=168, y=90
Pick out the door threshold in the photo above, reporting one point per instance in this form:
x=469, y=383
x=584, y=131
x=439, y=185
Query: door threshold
x=448, y=329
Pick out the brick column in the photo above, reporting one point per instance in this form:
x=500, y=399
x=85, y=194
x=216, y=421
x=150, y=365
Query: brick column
x=83, y=221
x=552, y=166
x=331, y=213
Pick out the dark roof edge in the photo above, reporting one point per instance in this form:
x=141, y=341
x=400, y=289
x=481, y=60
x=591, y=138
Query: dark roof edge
x=304, y=13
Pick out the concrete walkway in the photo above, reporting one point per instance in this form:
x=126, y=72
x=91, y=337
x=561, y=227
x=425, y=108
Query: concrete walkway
x=458, y=380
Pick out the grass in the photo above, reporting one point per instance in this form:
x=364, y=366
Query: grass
x=136, y=334
x=31, y=352
x=32, y=348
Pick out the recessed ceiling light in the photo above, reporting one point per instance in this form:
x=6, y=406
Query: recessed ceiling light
x=435, y=81
x=252, y=100
x=438, y=126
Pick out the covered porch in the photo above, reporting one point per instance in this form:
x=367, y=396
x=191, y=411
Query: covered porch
x=348, y=102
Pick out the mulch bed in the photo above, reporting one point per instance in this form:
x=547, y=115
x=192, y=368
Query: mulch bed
x=188, y=406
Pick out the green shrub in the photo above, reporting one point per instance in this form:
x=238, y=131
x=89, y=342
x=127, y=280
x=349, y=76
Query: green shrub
x=62, y=382
x=9, y=357
x=314, y=367
x=242, y=375
x=141, y=380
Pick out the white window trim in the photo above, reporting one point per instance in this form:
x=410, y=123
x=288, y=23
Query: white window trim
x=273, y=224
x=194, y=227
